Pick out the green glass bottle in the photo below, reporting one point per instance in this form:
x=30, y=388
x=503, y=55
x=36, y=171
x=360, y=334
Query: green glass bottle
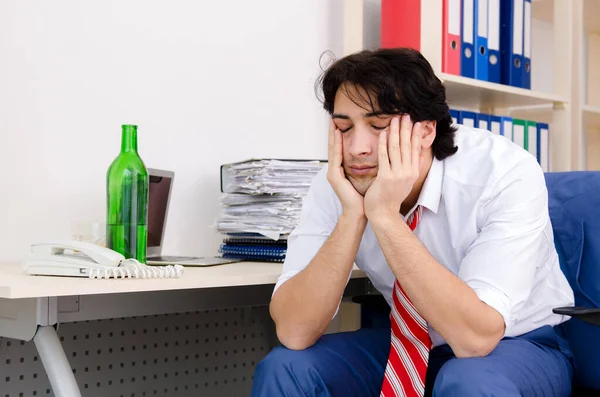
x=127, y=184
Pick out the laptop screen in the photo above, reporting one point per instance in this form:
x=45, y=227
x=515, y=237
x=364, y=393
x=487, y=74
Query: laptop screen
x=158, y=204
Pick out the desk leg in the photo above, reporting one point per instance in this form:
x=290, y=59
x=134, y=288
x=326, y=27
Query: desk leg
x=55, y=363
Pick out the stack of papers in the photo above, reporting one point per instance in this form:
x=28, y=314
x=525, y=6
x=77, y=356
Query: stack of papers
x=258, y=177
x=264, y=196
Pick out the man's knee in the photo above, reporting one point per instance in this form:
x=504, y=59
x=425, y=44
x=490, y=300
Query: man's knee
x=285, y=369
x=470, y=377
x=301, y=362
x=284, y=359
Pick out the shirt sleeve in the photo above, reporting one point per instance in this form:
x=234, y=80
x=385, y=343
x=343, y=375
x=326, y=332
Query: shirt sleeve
x=319, y=215
x=501, y=263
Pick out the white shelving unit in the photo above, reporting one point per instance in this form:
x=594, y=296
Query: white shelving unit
x=589, y=82
x=591, y=116
x=466, y=92
x=584, y=39
x=557, y=94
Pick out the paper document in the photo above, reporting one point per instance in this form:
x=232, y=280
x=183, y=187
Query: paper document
x=264, y=196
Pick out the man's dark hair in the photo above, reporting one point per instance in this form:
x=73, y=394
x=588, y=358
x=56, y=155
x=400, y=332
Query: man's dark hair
x=396, y=81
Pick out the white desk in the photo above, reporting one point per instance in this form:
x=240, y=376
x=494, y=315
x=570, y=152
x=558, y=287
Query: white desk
x=29, y=305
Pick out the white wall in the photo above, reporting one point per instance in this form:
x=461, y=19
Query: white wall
x=207, y=83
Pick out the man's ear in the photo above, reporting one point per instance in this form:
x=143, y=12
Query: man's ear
x=429, y=131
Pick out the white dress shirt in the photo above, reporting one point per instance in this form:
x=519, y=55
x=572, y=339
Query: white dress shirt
x=485, y=219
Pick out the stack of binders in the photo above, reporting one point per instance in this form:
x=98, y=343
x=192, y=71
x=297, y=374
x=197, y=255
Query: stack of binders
x=488, y=40
x=261, y=203
x=530, y=135
x=254, y=247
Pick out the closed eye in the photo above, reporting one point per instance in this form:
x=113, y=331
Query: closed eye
x=346, y=130
x=380, y=128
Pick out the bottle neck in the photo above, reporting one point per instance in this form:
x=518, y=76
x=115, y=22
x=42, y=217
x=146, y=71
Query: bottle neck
x=129, y=139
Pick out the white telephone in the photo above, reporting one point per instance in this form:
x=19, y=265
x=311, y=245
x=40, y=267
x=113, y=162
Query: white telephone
x=83, y=259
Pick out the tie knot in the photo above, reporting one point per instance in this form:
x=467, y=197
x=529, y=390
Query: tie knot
x=413, y=219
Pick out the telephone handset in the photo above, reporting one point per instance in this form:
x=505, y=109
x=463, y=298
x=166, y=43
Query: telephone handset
x=83, y=259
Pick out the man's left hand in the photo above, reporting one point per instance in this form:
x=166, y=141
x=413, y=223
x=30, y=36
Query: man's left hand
x=398, y=169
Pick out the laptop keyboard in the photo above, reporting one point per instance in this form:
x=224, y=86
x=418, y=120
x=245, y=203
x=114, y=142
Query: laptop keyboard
x=171, y=258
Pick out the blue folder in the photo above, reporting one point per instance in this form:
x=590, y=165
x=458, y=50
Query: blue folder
x=496, y=124
x=481, y=39
x=527, y=45
x=467, y=118
x=482, y=121
x=493, y=41
x=506, y=127
x=511, y=42
x=467, y=56
x=543, y=146
x=455, y=114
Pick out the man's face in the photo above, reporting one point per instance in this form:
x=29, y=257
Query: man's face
x=360, y=137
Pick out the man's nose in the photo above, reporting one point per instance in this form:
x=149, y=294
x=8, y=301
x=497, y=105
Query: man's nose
x=361, y=143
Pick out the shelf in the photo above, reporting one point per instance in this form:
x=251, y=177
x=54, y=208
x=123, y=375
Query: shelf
x=591, y=116
x=469, y=93
x=539, y=113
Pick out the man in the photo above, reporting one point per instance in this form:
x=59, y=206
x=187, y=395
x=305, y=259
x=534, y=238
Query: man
x=452, y=220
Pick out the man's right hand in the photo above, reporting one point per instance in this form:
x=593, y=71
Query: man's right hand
x=352, y=201
x=304, y=305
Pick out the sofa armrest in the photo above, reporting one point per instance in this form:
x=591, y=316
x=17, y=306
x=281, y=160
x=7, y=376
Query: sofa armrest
x=589, y=315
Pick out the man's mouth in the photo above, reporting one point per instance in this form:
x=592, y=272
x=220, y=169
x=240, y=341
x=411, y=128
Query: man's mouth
x=362, y=169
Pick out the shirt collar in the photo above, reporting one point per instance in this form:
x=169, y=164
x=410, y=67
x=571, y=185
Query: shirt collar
x=431, y=193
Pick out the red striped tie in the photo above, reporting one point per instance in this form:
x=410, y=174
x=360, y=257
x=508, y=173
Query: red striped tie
x=410, y=343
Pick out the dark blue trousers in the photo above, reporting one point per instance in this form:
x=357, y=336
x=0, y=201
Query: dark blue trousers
x=349, y=364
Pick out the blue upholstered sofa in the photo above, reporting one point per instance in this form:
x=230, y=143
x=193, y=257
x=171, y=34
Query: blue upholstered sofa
x=574, y=205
